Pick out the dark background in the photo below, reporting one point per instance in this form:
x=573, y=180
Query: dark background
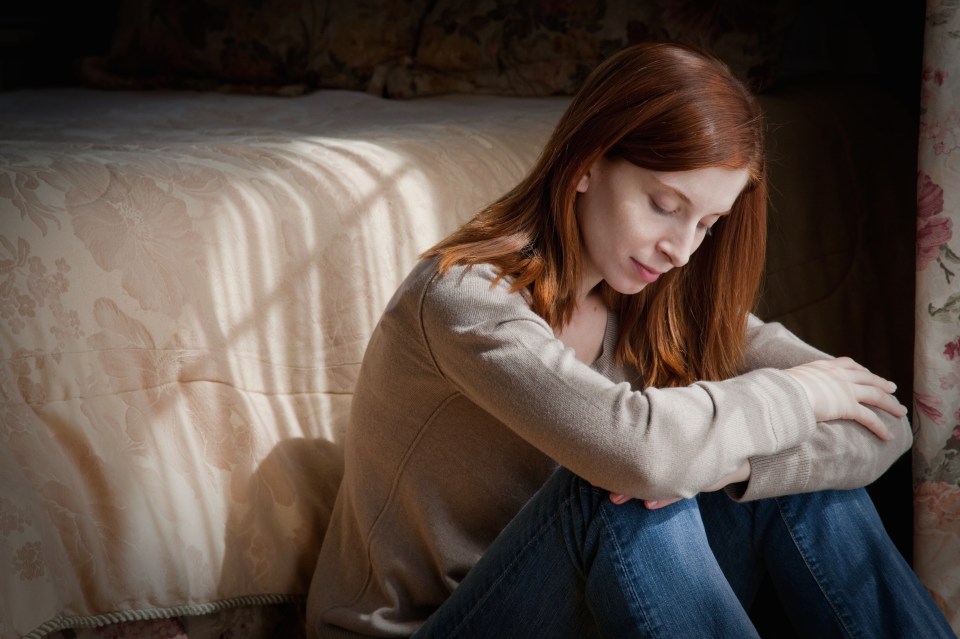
x=40, y=41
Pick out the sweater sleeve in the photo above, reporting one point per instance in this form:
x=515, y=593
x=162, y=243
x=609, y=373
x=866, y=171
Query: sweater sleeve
x=490, y=346
x=840, y=454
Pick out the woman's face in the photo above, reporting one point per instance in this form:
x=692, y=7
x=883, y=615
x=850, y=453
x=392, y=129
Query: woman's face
x=636, y=224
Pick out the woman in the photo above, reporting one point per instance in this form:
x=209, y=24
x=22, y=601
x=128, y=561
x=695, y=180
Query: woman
x=582, y=342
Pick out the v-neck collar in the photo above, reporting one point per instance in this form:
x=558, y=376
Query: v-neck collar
x=605, y=360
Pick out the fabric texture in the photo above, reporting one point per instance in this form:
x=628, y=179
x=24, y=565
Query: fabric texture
x=188, y=285
x=572, y=565
x=936, y=418
x=465, y=404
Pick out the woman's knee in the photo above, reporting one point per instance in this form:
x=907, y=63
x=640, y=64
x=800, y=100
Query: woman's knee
x=590, y=518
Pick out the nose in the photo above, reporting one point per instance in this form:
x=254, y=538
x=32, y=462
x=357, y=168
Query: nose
x=679, y=244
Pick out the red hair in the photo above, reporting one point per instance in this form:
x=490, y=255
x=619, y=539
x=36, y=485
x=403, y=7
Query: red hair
x=663, y=107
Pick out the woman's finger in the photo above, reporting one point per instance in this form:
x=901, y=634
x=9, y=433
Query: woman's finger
x=871, y=422
x=651, y=504
x=866, y=378
x=842, y=389
x=873, y=396
x=655, y=504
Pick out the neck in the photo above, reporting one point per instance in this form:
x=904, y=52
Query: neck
x=588, y=285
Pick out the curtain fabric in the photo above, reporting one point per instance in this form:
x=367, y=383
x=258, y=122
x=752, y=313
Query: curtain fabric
x=936, y=416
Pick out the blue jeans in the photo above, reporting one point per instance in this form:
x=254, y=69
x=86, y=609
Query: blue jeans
x=573, y=564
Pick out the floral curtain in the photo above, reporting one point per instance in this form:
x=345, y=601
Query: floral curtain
x=936, y=453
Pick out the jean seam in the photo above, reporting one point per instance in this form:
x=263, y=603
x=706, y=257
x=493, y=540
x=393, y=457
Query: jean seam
x=783, y=508
x=533, y=538
x=621, y=561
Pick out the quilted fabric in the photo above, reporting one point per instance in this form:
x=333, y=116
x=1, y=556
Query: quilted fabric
x=187, y=285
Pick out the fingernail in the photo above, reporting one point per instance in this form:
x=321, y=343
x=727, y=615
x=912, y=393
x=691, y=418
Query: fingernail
x=616, y=498
x=652, y=503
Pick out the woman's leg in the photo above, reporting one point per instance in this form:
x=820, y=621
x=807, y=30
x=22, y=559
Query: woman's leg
x=833, y=564
x=573, y=564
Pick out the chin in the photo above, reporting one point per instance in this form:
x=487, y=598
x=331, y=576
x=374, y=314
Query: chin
x=628, y=288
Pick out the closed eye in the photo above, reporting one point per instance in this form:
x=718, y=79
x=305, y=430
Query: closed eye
x=708, y=223
x=659, y=209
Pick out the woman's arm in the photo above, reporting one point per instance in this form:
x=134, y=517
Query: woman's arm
x=840, y=454
x=491, y=348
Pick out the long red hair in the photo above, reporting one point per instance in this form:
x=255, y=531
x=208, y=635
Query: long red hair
x=663, y=107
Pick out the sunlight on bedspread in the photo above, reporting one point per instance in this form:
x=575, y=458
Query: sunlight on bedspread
x=187, y=285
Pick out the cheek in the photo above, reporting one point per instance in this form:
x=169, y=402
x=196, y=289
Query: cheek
x=591, y=220
x=592, y=238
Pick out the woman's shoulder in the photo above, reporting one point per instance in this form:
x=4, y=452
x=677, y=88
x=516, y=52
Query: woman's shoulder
x=426, y=280
x=466, y=293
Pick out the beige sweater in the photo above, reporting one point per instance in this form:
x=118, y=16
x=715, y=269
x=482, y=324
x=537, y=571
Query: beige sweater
x=466, y=402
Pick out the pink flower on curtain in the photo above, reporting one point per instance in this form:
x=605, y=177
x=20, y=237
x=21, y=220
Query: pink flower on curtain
x=938, y=502
x=932, y=231
x=952, y=349
x=937, y=75
x=949, y=381
x=928, y=405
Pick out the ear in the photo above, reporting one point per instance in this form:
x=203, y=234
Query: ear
x=584, y=182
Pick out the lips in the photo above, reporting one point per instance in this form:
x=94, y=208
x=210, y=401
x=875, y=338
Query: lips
x=646, y=273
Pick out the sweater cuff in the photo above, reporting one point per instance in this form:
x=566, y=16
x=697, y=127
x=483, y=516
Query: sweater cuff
x=794, y=408
x=783, y=473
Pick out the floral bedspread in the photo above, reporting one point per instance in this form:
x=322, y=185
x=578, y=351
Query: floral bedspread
x=187, y=284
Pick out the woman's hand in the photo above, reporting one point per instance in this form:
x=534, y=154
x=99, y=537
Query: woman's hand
x=651, y=504
x=840, y=388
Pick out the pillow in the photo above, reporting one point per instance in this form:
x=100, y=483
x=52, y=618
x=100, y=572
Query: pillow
x=254, y=46
x=548, y=47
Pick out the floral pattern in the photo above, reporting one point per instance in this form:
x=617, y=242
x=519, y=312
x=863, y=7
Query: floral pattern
x=187, y=284
x=934, y=231
x=132, y=225
x=27, y=562
x=30, y=285
x=937, y=359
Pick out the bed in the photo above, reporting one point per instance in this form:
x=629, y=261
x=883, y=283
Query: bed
x=188, y=280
